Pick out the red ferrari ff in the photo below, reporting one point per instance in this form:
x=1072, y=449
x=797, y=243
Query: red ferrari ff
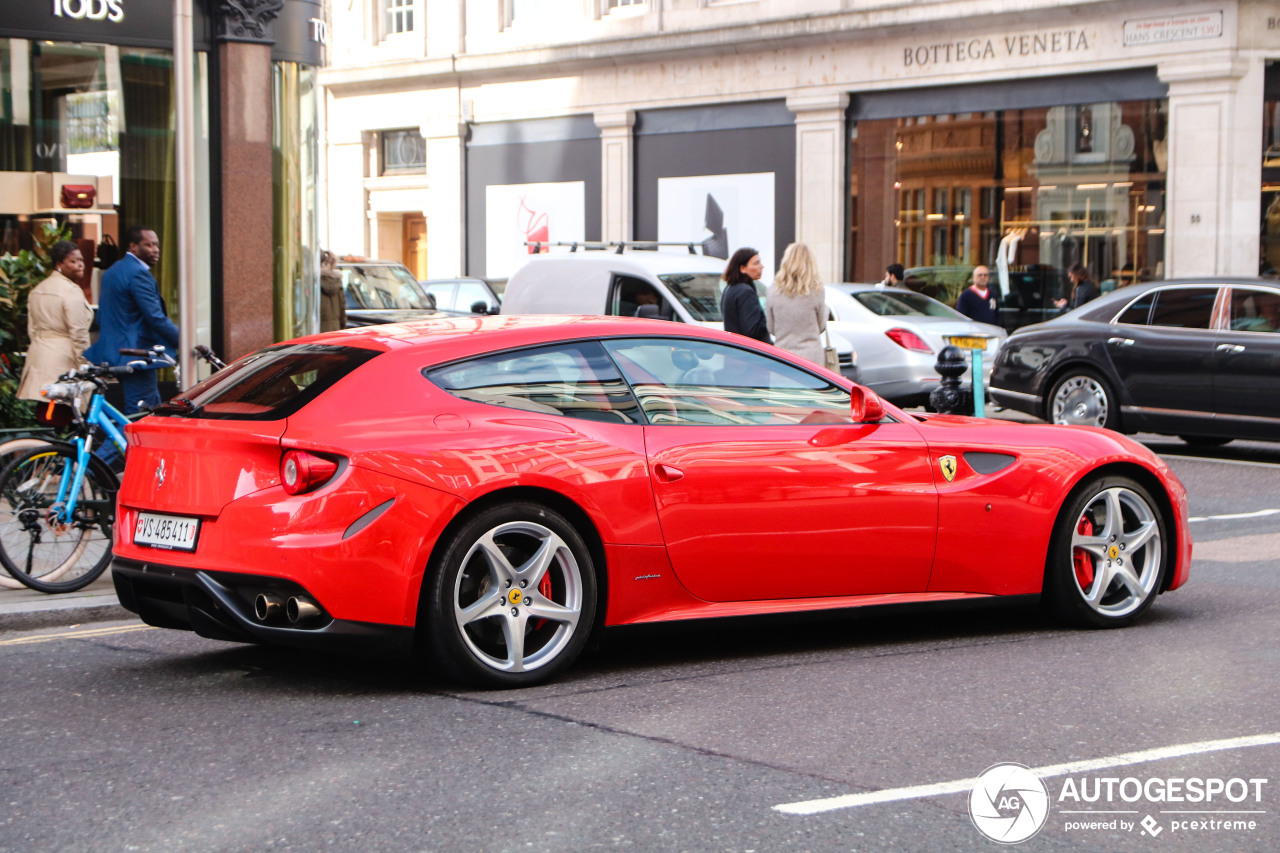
x=492, y=490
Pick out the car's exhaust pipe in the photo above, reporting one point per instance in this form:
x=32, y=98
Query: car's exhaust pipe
x=268, y=607
x=301, y=609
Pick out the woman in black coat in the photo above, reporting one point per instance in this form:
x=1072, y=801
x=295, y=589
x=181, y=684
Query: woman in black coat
x=740, y=303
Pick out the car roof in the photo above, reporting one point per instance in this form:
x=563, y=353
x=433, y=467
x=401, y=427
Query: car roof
x=456, y=335
x=657, y=263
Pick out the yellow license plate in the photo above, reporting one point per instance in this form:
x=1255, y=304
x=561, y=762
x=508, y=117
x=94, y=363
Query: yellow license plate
x=969, y=343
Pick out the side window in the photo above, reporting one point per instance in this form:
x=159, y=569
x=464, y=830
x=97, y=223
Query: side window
x=1139, y=313
x=470, y=292
x=689, y=382
x=1184, y=307
x=1255, y=310
x=575, y=380
x=442, y=294
x=635, y=297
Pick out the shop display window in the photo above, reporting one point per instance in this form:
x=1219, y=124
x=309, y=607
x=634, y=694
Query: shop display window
x=1026, y=192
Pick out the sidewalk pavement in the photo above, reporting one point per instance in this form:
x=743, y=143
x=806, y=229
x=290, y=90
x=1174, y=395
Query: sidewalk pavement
x=25, y=609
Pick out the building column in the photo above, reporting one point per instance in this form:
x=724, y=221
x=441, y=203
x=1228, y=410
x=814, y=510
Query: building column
x=617, y=158
x=820, y=178
x=443, y=210
x=244, y=64
x=1214, y=176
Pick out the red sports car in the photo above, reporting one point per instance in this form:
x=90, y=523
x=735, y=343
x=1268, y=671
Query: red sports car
x=492, y=490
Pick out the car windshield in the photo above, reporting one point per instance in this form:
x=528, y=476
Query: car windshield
x=699, y=292
x=903, y=303
x=382, y=286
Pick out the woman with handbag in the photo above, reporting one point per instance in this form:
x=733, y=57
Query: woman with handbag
x=796, y=305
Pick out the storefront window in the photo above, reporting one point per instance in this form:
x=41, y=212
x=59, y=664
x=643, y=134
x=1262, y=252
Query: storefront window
x=105, y=113
x=1269, y=263
x=294, y=171
x=1026, y=192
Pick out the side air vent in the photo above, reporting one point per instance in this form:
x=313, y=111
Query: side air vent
x=989, y=463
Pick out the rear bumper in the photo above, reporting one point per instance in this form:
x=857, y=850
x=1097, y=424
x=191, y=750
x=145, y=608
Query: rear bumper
x=220, y=606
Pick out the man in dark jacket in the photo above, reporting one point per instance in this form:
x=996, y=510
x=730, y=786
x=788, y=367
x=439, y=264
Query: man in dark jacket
x=131, y=315
x=979, y=301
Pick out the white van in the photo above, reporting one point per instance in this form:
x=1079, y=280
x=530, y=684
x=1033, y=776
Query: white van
x=665, y=285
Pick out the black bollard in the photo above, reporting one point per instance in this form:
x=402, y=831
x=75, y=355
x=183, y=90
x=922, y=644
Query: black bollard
x=949, y=398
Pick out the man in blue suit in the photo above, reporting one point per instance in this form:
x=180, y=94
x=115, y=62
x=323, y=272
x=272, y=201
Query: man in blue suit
x=131, y=316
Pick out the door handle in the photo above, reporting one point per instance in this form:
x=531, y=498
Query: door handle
x=1230, y=348
x=1122, y=342
x=667, y=473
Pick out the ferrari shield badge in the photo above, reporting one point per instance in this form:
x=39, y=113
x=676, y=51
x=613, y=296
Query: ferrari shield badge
x=948, y=466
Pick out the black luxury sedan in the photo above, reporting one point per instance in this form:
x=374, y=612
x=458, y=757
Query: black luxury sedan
x=1198, y=359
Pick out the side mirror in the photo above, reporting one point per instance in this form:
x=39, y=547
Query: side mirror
x=865, y=406
x=479, y=307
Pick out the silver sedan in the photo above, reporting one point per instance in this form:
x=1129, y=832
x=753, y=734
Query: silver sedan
x=898, y=334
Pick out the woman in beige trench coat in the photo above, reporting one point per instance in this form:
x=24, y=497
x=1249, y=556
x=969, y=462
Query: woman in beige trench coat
x=58, y=320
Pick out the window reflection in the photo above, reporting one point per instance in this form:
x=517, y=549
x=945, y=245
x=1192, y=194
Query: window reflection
x=1025, y=192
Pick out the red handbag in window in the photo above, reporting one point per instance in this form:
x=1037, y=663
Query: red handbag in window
x=78, y=196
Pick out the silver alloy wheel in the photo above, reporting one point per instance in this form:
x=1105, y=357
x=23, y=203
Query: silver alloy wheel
x=1116, y=552
x=1080, y=399
x=518, y=598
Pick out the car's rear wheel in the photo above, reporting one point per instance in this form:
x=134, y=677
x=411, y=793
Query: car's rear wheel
x=512, y=598
x=1083, y=397
x=1108, y=554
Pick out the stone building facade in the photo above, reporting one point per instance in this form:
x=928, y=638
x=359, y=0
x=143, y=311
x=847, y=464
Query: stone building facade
x=1140, y=138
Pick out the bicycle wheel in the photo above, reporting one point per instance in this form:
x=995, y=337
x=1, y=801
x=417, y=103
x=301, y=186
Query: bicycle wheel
x=10, y=450
x=39, y=550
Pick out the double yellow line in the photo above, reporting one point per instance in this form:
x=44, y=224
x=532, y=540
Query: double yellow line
x=74, y=635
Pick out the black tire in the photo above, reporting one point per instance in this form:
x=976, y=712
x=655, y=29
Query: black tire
x=55, y=557
x=489, y=567
x=9, y=451
x=1108, y=555
x=1205, y=440
x=1081, y=396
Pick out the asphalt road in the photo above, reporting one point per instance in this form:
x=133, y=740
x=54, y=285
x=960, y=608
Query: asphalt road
x=121, y=737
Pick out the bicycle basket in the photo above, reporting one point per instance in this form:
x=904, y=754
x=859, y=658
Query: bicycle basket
x=54, y=414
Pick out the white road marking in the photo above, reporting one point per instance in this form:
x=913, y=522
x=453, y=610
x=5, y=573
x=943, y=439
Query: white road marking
x=917, y=792
x=1232, y=516
x=1222, y=461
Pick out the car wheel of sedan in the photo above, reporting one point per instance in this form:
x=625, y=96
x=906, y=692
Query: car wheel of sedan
x=512, y=599
x=1108, y=554
x=1082, y=397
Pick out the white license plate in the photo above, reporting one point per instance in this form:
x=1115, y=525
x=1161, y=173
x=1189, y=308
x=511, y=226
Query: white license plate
x=166, y=531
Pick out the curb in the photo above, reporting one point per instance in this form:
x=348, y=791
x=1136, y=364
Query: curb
x=32, y=616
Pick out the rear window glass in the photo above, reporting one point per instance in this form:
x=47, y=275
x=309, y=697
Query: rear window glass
x=575, y=380
x=902, y=303
x=269, y=385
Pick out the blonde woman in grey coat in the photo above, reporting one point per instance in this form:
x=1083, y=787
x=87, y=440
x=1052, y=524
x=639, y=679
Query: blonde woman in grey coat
x=796, y=305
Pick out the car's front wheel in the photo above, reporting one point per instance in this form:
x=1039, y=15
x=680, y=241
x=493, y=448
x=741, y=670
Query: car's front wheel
x=1083, y=397
x=512, y=598
x=1108, y=554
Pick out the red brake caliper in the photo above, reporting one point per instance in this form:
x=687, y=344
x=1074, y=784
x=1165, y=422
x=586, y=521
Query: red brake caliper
x=544, y=589
x=1082, y=559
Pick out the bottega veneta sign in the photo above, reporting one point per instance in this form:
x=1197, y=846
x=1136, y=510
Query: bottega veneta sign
x=94, y=10
x=1012, y=46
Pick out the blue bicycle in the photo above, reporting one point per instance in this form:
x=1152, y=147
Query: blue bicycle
x=57, y=501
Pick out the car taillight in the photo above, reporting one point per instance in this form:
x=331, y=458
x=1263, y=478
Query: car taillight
x=301, y=471
x=908, y=340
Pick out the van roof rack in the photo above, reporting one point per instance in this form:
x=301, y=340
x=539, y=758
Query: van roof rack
x=540, y=246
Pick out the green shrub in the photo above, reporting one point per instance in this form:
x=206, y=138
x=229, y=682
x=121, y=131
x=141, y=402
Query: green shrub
x=18, y=275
